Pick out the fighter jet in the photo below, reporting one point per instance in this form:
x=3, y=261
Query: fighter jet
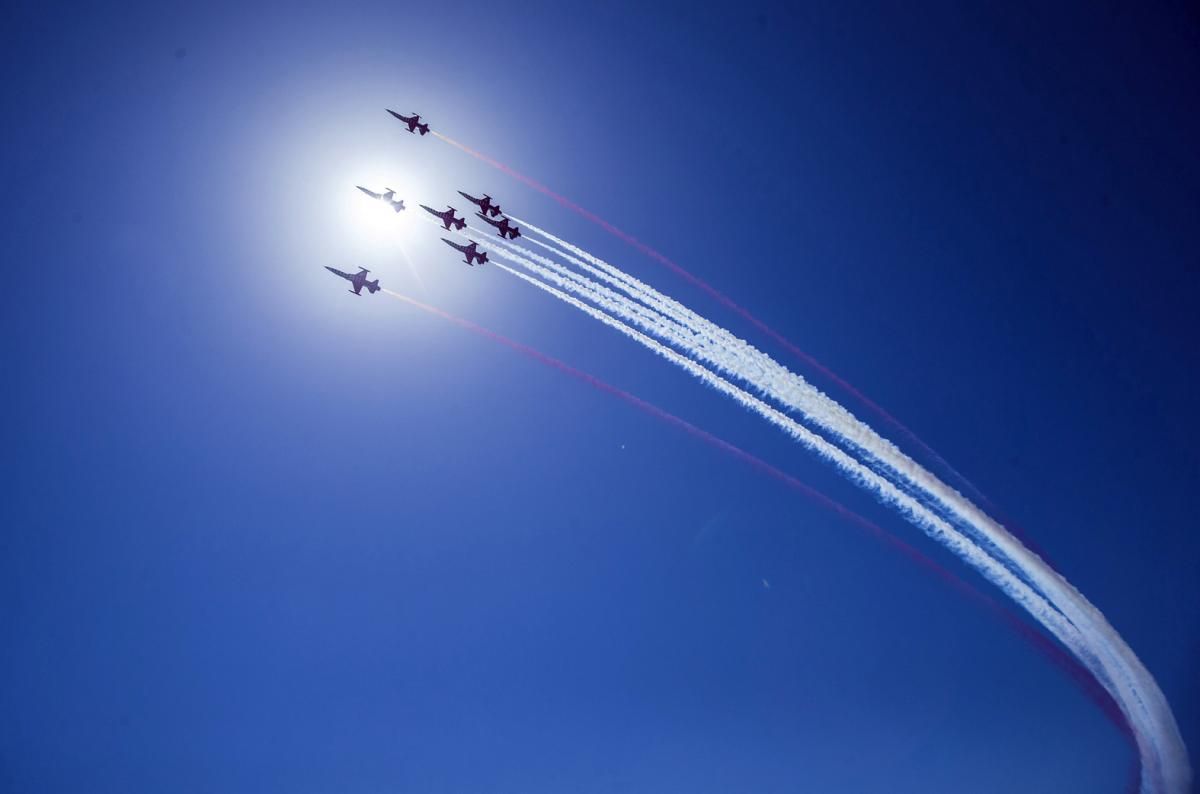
x=413, y=122
x=486, y=205
x=471, y=252
x=447, y=217
x=359, y=280
x=396, y=204
x=504, y=227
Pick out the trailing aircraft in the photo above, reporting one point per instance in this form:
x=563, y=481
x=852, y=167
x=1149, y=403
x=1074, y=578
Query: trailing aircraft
x=504, y=227
x=486, y=205
x=359, y=279
x=471, y=252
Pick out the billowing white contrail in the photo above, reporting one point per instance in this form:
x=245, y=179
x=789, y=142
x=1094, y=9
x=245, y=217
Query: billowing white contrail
x=651, y=316
x=1116, y=669
x=651, y=322
x=1164, y=758
x=934, y=525
x=717, y=347
x=732, y=356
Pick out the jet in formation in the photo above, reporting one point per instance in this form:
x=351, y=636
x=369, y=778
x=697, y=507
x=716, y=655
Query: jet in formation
x=359, y=279
x=396, y=204
x=471, y=252
x=413, y=121
x=486, y=205
x=504, y=227
x=447, y=217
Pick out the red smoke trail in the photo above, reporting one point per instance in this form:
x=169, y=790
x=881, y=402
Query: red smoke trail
x=729, y=303
x=1060, y=658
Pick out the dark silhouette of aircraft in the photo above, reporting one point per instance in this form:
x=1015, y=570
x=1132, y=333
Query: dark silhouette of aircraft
x=471, y=252
x=413, y=122
x=504, y=227
x=396, y=204
x=359, y=279
x=447, y=217
x=486, y=205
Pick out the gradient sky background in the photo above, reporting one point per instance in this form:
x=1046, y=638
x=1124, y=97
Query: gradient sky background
x=262, y=536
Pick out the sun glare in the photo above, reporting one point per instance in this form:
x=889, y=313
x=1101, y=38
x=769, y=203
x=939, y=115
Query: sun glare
x=375, y=222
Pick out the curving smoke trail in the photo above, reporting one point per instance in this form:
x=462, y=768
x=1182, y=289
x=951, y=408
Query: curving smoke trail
x=725, y=301
x=674, y=324
x=704, y=329
x=1053, y=652
x=1000, y=557
x=1057, y=605
x=884, y=489
x=693, y=335
x=651, y=297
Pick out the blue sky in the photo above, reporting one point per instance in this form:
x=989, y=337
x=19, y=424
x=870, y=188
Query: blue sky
x=264, y=536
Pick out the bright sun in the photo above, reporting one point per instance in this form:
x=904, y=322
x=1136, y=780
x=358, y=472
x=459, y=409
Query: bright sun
x=374, y=222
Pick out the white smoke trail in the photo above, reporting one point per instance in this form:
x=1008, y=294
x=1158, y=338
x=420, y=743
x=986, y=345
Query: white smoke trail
x=648, y=317
x=720, y=349
x=651, y=316
x=733, y=356
x=887, y=492
x=1165, y=765
x=917, y=513
x=1118, y=671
